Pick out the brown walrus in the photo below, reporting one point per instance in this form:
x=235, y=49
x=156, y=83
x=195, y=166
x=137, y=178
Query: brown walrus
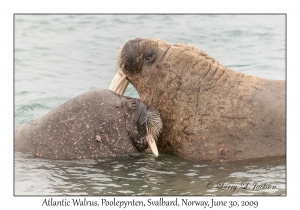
x=209, y=111
x=93, y=125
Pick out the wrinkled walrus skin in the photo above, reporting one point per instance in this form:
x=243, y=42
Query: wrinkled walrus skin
x=209, y=111
x=93, y=125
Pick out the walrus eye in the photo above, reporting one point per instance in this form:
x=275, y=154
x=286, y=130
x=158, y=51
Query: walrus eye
x=150, y=56
x=134, y=104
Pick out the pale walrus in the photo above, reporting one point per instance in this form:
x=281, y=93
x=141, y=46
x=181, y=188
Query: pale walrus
x=93, y=125
x=209, y=111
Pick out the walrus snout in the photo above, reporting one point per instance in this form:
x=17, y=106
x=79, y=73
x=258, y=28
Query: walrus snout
x=151, y=121
x=130, y=57
x=149, y=125
x=140, y=52
x=129, y=60
x=153, y=128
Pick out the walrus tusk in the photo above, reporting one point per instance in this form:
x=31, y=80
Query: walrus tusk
x=119, y=83
x=115, y=80
x=152, y=144
x=123, y=87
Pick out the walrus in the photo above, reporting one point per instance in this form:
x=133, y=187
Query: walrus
x=96, y=124
x=209, y=112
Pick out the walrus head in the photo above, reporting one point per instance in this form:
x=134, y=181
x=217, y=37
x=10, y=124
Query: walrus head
x=135, y=63
x=143, y=124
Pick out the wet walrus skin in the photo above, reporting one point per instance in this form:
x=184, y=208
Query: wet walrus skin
x=209, y=112
x=96, y=124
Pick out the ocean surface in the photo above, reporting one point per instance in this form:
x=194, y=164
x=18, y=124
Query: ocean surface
x=58, y=57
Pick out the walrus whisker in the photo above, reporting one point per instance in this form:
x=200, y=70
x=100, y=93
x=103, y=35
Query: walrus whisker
x=154, y=124
x=153, y=128
x=120, y=59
